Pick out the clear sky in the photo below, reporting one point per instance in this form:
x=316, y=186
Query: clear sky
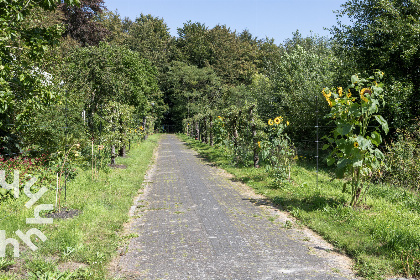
x=276, y=19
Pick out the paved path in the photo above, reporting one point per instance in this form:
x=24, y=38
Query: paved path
x=193, y=223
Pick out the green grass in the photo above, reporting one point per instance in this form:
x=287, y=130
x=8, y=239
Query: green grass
x=89, y=240
x=383, y=236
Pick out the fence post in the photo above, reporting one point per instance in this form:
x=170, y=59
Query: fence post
x=317, y=140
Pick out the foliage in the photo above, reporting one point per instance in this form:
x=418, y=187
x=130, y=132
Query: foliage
x=403, y=160
x=278, y=150
x=355, y=148
x=388, y=31
x=24, y=85
x=81, y=22
x=190, y=91
x=28, y=168
x=149, y=36
x=306, y=66
x=230, y=56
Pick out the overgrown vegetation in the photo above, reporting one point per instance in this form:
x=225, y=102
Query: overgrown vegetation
x=79, y=86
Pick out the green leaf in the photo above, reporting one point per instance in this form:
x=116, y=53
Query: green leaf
x=382, y=122
x=326, y=146
x=376, y=138
x=330, y=161
x=344, y=129
x=364, y=143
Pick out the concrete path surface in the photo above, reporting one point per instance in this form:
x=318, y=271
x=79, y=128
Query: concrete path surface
x=194, y=223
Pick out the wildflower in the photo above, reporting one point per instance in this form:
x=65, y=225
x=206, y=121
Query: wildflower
x=135, y=130
x=141, y=128
x=349, y=94
x=278, y=120
x=340, y=91
x=287, y=123
x=356, y=144
x=259, y=144
x=270, y=122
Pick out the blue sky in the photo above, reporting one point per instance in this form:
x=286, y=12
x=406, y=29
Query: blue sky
x=276, y=19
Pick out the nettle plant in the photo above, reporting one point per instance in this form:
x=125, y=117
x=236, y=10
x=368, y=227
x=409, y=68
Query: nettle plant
x=355, y=140
x=277, y=149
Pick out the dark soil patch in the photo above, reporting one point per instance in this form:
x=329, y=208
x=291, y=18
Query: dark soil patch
x=64, y=213
x=122, y=166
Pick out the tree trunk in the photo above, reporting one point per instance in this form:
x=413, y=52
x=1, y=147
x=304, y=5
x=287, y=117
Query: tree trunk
x=113, y=155
x=197, y=131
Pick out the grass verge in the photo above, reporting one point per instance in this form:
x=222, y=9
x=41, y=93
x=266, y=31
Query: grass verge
x=383, y=236
x=79, y=247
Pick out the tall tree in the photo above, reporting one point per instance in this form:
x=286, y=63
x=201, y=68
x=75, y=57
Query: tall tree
x=24, y=83
x=81, y=22
x=384, y=34
x=190, y=90
x=149, y=36
x=231, y=56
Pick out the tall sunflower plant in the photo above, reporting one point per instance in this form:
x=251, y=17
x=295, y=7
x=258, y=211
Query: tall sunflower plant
x=277, y=149
x=355, y=139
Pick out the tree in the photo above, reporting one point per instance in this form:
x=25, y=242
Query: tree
x=384, y=34
x=109, y=78
x=25, y=86
x=190, y=91
x=81, y=22
x=231, y=56
x=149, y=36
x=117, y=27
x=307, y=65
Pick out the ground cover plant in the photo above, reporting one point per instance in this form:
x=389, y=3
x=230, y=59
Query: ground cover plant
x=381, y=235
x=81, y=246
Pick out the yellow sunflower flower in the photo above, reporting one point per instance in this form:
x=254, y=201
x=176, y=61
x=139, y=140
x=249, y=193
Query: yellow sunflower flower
x=349, y=94
x=287, y=123
x=270, y=122
x=277, y=120
x=340, y=91
x=356, y=144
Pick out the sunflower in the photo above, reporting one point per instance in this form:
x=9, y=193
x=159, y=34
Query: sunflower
x=349, y=94
x=362, y=94
x=278, y=120
x=259, y=144
x=270, y=122
x=287, y=123
x=356, y=144
x=340, y=91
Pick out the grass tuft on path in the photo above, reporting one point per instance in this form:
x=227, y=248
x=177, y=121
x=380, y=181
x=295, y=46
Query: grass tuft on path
x=80, y=247
x=383, y=236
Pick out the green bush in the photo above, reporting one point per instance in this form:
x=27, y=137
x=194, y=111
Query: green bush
x=403, y=160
